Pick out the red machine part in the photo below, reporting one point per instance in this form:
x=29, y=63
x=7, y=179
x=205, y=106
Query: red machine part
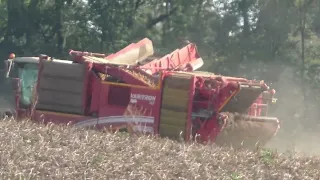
x=130, y=55
x=110, y=57
x=185, y=59
x=210, y=96
x=105, y=103
x=142, y=43
x=213, y=94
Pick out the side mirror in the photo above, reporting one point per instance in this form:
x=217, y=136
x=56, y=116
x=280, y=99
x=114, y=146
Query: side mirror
x=8, y=66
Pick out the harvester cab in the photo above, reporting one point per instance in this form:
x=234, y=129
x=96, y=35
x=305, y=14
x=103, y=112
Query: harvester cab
x=22, y=73
x=19, y=78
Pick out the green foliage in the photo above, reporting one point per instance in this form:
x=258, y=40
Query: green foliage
x=267, y=156
x=235, y=176
x=226, y=32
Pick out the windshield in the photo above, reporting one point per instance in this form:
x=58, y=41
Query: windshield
x=28, y=74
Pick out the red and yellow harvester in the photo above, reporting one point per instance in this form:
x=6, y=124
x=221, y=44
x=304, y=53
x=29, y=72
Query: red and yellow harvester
x=164, y=96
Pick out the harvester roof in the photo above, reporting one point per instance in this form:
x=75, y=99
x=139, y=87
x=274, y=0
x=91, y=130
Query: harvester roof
x=26, y=59
x=35, y=60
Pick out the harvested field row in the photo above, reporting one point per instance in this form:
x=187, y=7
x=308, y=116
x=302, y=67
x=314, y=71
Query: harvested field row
x=31, y=151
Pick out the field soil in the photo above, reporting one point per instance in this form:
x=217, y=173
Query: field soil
x=35, y=151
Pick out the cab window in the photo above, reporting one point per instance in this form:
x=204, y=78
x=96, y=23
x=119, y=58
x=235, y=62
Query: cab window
x=28, y=74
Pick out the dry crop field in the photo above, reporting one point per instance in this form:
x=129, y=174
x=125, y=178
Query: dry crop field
x=33, y=151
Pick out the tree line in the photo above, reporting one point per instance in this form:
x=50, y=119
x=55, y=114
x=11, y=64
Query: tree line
x=227, y=32
x=254, y=38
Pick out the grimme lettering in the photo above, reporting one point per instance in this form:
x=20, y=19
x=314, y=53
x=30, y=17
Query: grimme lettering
x=143, y=97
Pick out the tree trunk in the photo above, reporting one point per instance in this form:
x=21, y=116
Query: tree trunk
x=244, y=8
x=302, y=24
x=103, y=39
x=166, y=24
x=59, y=26
x=244, y=11
x=10, y=26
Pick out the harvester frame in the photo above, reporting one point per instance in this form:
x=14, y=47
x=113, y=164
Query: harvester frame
x=96, y=90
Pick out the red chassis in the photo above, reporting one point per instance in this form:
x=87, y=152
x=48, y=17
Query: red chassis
x=139, y=110
x=105, y=104
x=109, y=95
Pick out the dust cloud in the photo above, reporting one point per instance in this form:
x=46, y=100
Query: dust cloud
x=299, y=132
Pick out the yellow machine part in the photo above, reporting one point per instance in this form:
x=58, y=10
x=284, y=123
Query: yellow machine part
x=174, y=107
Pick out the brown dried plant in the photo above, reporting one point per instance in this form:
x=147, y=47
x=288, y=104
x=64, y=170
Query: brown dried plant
x=35, y=151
